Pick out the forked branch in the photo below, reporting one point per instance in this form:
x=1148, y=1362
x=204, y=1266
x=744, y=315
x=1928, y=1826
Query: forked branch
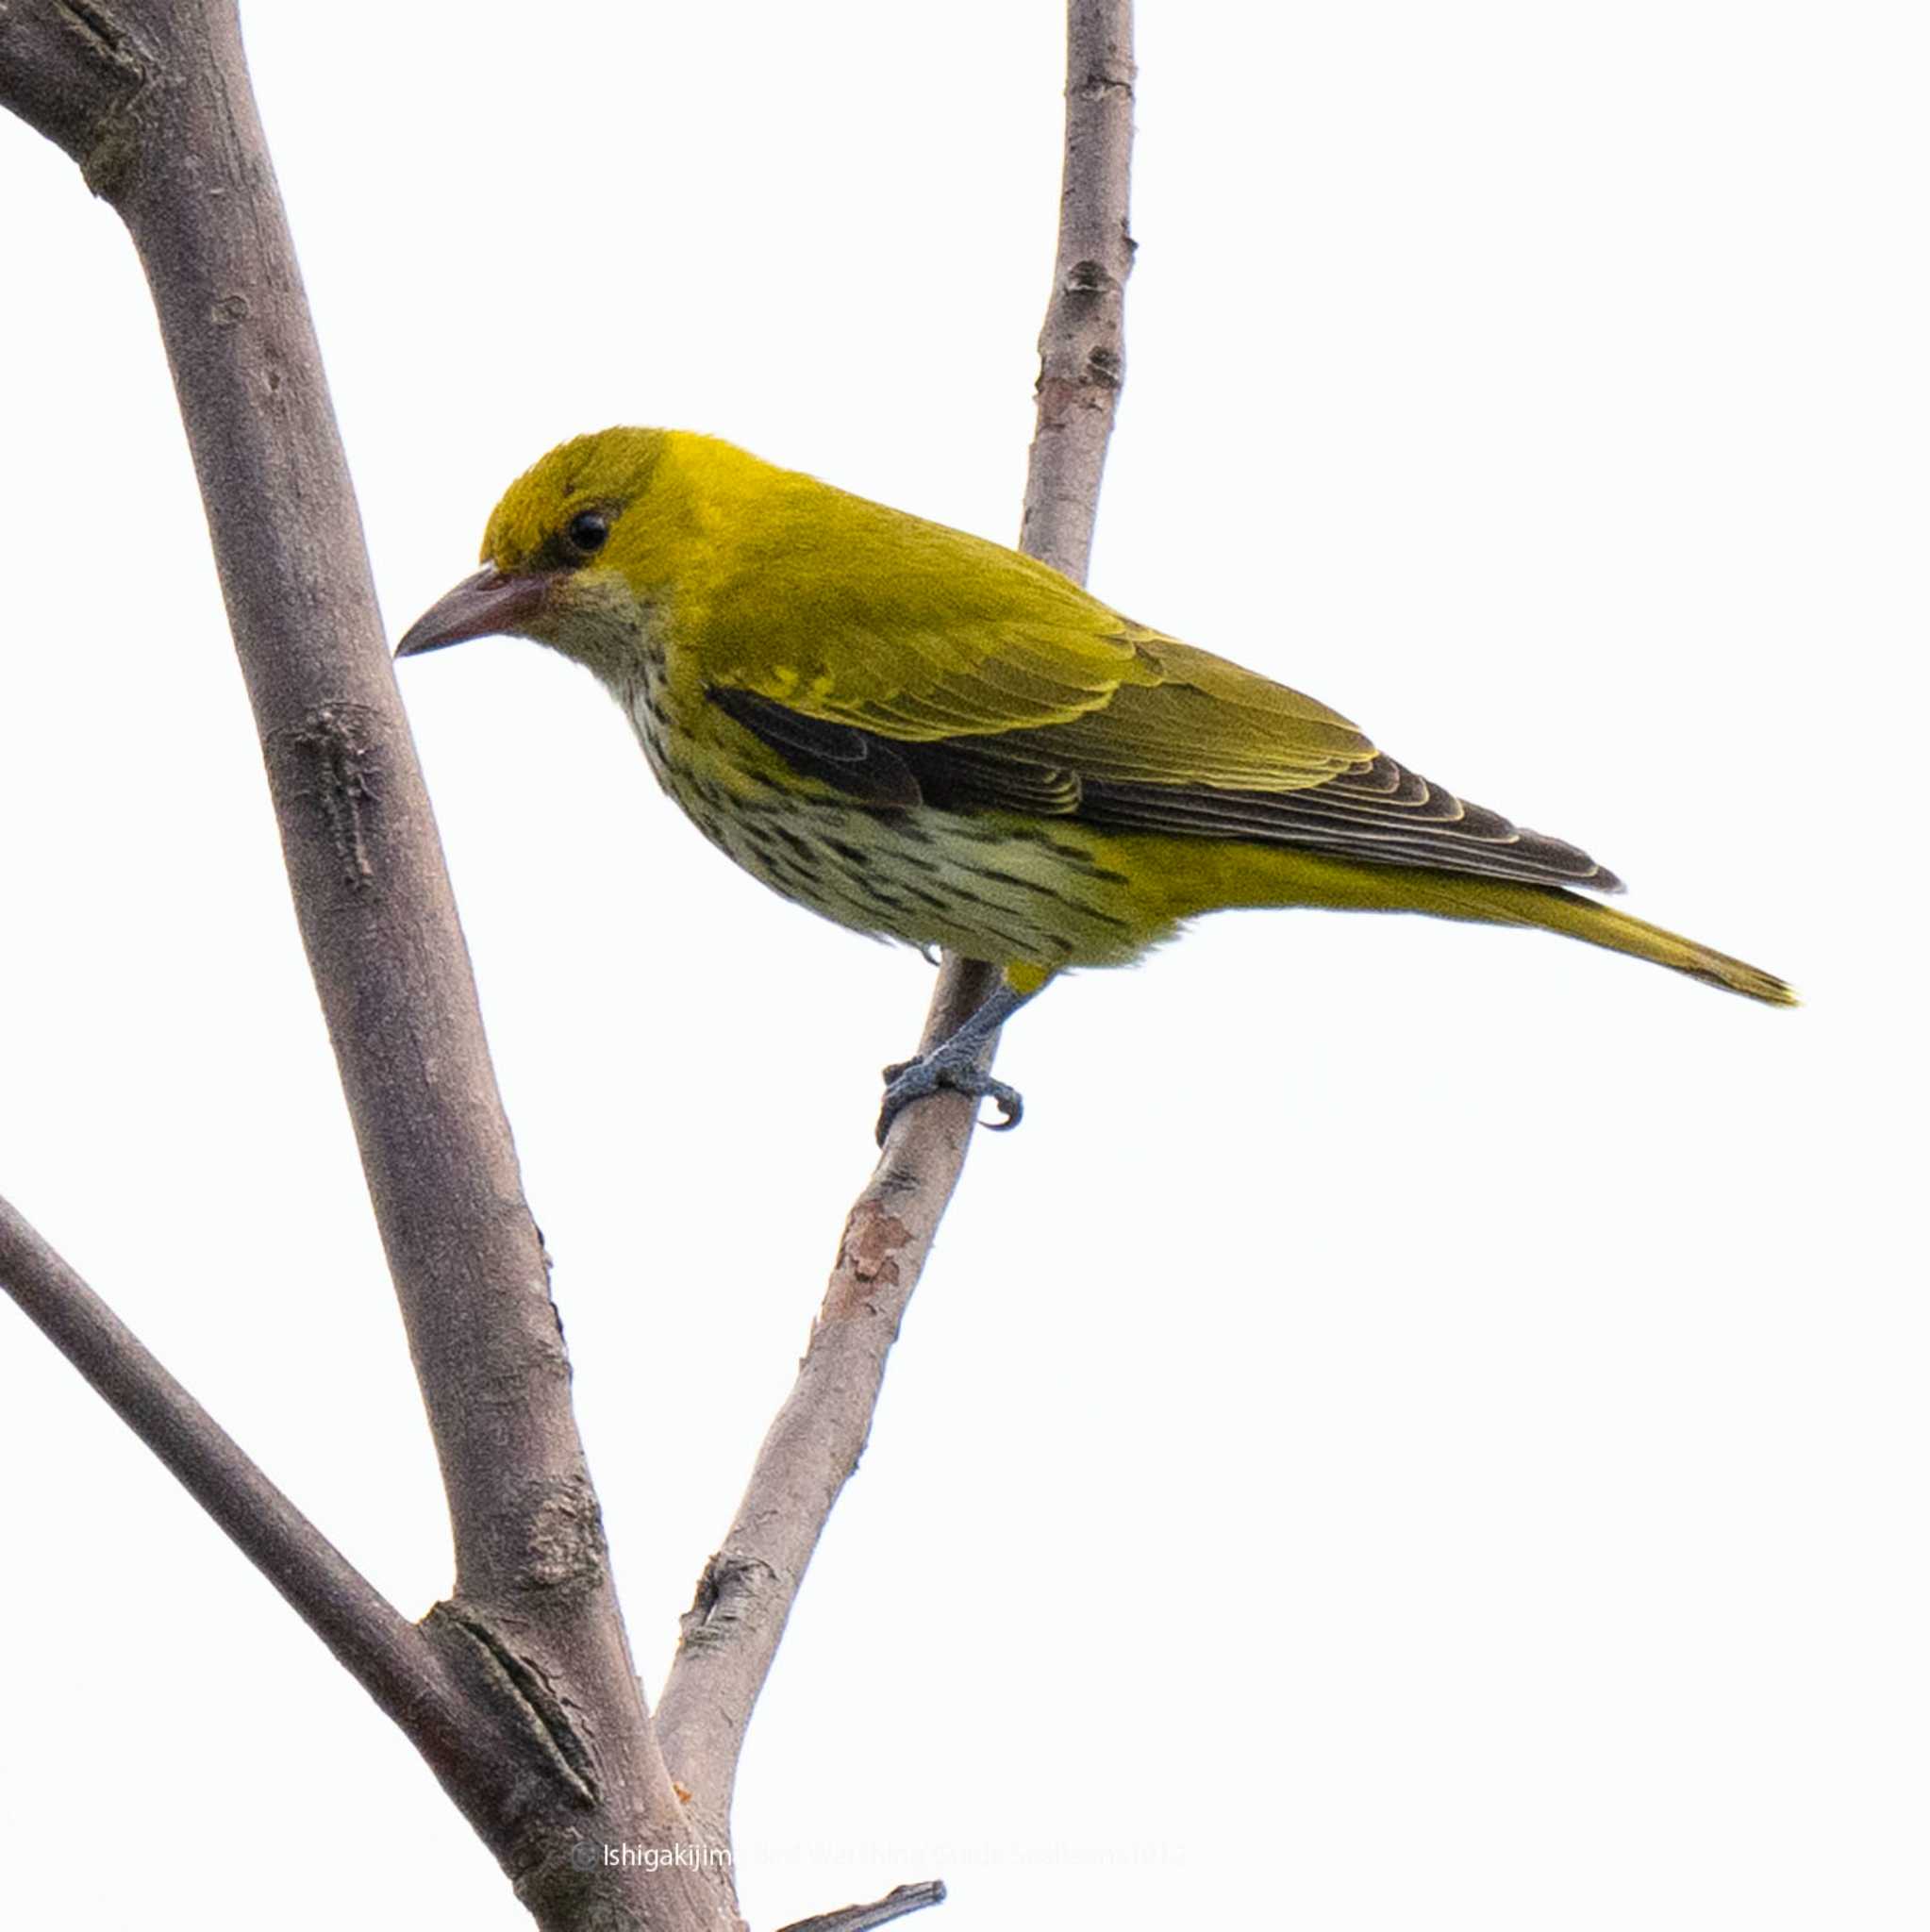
x=732, y=1630
x=520, y=1692
x=152, y=97
x=380, y=1648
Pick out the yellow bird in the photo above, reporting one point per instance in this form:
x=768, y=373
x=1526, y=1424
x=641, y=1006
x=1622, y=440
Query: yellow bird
x=928, y=737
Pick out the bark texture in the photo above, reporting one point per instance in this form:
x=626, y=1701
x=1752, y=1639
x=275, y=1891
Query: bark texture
x=733, y=1629
x=152, y=98
x=1082, y=346
x=518, y=1690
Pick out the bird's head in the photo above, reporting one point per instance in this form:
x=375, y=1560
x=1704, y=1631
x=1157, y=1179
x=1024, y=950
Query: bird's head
x=573, y=556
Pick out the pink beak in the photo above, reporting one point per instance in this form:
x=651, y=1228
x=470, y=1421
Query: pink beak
x=487, y=605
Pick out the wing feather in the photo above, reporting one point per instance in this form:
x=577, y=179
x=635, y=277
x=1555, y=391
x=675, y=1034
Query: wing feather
x=935, y=667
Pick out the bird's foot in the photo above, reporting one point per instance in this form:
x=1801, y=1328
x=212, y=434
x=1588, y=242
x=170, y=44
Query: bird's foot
x=951, y=1066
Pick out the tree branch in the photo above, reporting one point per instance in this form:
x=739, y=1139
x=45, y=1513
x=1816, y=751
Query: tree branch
x=732, y=1629
x=430, y=1687
x=896, y=1903
x=373, y=1643
x=153, y=98
x=1082, y=346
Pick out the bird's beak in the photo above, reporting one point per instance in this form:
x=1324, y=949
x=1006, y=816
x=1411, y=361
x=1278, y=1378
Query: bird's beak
x=490, y=603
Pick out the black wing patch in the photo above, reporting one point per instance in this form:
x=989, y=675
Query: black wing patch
x=1382, y=814
x=860, y=762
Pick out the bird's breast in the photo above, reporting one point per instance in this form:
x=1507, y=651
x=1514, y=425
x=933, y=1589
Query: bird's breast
x=992, y=886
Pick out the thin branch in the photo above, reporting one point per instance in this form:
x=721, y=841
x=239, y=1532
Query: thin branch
x=1082, y=346
x=732, y=1630
x=385, y=1652
x=432, y=1684
x=896, y=1903
x=153, y=98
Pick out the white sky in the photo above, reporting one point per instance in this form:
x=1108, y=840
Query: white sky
x=1423, y=1426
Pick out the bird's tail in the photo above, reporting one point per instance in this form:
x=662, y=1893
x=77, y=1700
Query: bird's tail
x=1556, y=910
x=1238, y=874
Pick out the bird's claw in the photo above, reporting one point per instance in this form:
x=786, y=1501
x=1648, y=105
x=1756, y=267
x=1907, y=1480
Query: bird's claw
x=909, y=1080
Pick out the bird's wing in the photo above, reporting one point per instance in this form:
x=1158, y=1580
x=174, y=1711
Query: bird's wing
x=936, y=668
x=1384, y=815
x=924, y=635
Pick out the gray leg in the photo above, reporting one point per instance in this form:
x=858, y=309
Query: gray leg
x=952, y=1063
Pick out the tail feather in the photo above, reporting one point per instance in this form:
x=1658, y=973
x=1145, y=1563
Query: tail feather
x=1204, y=875
x=1602, y=925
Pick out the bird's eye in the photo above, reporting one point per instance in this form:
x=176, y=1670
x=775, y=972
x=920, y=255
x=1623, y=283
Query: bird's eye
x=588, y=532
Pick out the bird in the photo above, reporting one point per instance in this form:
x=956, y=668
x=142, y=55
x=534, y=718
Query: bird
x=927, y=737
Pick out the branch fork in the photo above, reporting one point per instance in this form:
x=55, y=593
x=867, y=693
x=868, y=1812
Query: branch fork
x=519, y=1691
